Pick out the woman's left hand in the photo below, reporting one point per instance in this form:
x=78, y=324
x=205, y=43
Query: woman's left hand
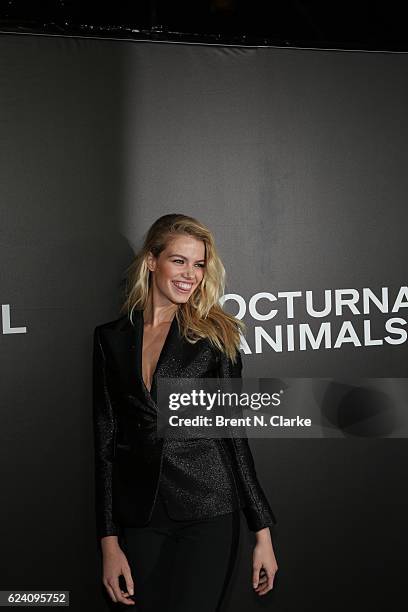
x=264, y=564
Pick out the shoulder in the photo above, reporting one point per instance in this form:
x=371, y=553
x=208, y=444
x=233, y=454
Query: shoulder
x=115, y=324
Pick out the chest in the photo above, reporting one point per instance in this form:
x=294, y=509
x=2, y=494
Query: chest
x=152, y=346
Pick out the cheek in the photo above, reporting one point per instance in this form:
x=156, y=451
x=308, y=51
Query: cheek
x=168, y=273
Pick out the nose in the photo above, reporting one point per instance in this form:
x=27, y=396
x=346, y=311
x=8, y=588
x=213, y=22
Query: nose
x=189, y=274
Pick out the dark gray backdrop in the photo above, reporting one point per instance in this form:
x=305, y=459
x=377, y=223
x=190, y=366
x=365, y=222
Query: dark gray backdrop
x=297, y=161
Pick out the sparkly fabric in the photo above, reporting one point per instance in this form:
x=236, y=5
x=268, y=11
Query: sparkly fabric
x=196, y=478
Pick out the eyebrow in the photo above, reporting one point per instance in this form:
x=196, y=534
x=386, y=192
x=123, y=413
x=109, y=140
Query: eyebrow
x=183, y=256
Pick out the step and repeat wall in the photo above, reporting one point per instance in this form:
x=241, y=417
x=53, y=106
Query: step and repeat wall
x=296, y=159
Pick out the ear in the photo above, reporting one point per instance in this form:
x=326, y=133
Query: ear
x=151, y=261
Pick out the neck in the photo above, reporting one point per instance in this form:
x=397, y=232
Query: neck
x=158, y=314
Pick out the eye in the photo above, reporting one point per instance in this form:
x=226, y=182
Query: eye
x=182, y=261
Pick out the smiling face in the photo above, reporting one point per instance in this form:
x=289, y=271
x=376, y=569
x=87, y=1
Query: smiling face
x=178, y=270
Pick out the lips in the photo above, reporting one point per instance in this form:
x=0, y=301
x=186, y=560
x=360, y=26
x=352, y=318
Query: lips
x=183, y=287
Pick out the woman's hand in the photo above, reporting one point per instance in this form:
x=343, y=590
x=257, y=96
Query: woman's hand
x=264, y=564
x=115, y=564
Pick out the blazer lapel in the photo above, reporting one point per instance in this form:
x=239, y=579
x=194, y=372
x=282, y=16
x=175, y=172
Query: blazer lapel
x=126, y=343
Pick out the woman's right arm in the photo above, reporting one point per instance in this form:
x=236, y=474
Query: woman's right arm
x=114, y=560
x=104, y=431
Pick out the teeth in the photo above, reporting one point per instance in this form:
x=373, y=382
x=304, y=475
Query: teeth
x=183, y=285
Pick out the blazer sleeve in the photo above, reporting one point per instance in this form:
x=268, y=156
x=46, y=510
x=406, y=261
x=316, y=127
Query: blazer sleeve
x=257, y=510
x=104, y=434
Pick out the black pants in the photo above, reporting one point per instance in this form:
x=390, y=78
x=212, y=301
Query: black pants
x=181, y=566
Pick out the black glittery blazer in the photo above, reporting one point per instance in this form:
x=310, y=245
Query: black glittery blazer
x=199, y=478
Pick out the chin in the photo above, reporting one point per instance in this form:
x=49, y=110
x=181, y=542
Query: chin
x=177, y=299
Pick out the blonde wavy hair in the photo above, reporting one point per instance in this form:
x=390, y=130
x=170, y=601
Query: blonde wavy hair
x=201, y=316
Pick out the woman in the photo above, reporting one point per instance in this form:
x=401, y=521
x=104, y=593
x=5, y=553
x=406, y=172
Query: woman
x=168, y=510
